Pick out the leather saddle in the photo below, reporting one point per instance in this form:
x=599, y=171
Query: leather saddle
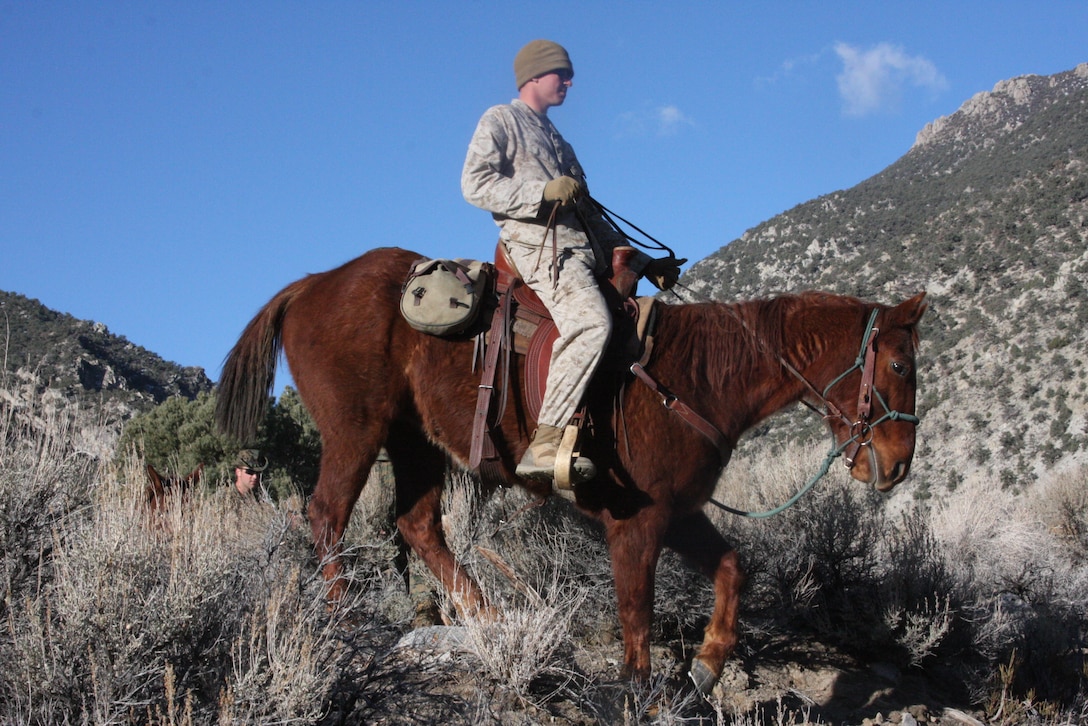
x=521, y=324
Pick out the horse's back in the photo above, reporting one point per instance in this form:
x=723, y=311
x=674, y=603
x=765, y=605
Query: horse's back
x=350, y=350
x=368, y=283
x=348, y=304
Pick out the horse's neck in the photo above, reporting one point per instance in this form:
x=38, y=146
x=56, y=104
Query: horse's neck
x=801, y=342
x=726, y=359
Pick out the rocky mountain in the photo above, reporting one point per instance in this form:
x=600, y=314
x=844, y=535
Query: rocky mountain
x=86, y=362
x=988, y=212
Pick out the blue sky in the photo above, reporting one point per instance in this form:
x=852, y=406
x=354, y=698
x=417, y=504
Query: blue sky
x=165, y=168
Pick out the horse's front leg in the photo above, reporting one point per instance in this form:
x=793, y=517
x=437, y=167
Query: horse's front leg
x=696, y=539
x=635, y=545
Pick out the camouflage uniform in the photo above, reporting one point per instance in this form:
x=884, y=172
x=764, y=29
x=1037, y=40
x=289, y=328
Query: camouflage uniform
x=513, y=154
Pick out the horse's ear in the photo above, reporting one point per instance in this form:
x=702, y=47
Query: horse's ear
x=196, y=474
x=909, y=312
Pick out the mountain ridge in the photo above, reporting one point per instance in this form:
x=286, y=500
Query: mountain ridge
x=988, y=212
x=85, y=362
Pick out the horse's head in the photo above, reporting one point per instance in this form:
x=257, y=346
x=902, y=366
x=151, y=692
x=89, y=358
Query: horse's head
x=876, y=424
x=158, y=486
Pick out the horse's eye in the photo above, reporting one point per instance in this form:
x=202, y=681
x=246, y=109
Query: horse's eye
x=899, y=368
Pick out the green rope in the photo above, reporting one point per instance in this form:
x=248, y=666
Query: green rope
x=836, y=451
x=831, y=456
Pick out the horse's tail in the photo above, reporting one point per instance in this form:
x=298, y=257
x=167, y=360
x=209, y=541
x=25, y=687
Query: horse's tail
x=249, y=371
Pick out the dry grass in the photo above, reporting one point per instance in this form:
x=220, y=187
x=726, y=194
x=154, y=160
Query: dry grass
x=209, y=613
x=215, y=614
x=990, y=582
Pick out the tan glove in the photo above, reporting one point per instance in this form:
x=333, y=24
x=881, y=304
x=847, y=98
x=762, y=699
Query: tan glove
x=564, y=189
x=664, y=272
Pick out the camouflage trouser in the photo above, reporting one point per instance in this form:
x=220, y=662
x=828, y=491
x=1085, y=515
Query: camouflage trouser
x=580, y=314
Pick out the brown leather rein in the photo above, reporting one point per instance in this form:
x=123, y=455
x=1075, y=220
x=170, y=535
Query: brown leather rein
x=861, y=430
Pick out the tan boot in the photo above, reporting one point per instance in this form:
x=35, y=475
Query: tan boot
x=538, y=462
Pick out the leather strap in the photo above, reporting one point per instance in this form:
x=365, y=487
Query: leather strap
x=685, y=412
x=482, y=443
x=861, y=432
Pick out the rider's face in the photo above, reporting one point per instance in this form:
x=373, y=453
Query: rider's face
x=549, y=89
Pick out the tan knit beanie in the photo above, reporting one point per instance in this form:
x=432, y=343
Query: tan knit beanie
x=539, y=57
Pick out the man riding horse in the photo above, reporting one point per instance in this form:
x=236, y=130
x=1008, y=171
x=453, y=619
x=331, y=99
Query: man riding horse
x=521, y=170
x=418, y=395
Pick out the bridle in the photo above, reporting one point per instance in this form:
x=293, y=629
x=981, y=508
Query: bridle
x=861, y=429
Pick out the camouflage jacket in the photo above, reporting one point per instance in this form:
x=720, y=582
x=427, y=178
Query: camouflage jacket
x=514, y=152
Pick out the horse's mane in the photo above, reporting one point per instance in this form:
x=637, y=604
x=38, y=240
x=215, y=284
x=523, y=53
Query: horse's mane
x=728, y=339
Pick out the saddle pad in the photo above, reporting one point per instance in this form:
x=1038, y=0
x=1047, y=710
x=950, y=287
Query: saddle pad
x=537, y=363
x=539, y=354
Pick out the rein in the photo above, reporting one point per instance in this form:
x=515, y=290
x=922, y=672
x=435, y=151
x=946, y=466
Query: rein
x=861, y=430
x=607, y=214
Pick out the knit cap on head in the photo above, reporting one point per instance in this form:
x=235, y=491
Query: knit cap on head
x=539, y=57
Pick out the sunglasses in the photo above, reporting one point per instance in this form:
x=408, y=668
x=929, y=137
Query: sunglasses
x=563, y=73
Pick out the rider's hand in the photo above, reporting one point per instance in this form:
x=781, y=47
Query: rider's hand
x=664, y=272
x=564, y=189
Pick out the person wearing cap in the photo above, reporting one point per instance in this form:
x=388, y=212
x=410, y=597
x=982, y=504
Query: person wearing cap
x=248, y=468
x=519, y=168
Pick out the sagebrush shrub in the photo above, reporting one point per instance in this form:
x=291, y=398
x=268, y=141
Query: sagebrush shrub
x=215, y=612
x=210, y=611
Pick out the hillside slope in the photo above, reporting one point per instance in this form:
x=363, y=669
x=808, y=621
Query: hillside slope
x=85, y=362
x=988, y=212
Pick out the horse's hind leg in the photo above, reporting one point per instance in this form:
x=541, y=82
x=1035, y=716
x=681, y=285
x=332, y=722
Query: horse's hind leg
x=696, y=539
x=419, y=468
x=347, y=454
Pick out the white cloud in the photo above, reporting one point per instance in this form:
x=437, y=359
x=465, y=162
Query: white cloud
x=872, y=80
x=670, y=119
x=660, y=121
x=788, y=68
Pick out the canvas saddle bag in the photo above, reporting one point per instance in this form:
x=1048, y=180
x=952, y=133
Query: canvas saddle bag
x=442, y=297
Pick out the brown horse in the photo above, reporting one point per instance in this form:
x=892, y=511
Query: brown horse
x=159, y=487
x=369, y=380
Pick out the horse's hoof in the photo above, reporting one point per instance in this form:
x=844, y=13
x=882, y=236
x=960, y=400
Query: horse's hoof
x=703, y=678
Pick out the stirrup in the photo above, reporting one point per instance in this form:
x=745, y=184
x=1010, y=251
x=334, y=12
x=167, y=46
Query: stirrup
x=570, y=467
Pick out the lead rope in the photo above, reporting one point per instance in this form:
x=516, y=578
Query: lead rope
x=831, y=456
x=835, y=451
x=831, y=412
